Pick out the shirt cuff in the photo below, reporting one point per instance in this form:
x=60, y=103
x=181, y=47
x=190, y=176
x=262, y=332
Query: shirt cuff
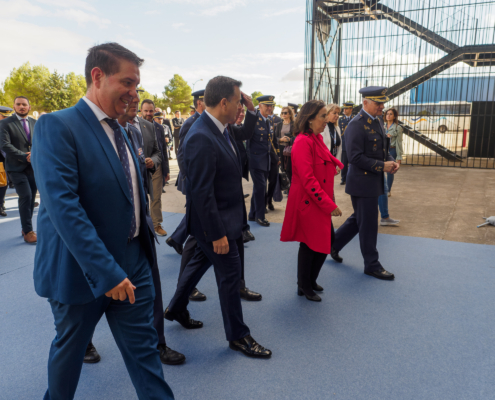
x=252, y=112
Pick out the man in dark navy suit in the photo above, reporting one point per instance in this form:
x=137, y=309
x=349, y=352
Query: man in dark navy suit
x=347, y=108
x=367, y=149
x=214, y=212
x=262, y=155
x=95, y=239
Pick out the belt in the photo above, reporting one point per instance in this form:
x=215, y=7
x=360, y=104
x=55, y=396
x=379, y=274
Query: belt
x=392, y=147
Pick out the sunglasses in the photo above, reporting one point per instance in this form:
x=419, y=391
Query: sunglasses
x=285, y=113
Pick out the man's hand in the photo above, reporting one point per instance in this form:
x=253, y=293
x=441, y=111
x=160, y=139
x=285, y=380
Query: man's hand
x=166, y=140
x=149, y=163
x=122, y=290
x=28, y=157
x=248, y=102
x=389, y=166
x=337, y=212
x=221, y=246
x=396, y=168
x=167, y=178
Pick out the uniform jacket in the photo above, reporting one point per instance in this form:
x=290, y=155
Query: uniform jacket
x=180, y=155
x=85, y=216
x=261, y=152
x=343, y=123
x=215, y=201
x=309, y=207
x=367, y=150
x=177, y=124
x=14, y=143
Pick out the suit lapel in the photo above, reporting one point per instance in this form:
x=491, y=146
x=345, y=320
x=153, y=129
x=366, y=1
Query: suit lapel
x=109, y=150
x=20, y=128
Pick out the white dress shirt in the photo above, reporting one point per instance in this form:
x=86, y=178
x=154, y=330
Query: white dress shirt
x=221, y=127
x=27, y=120
x=111, y=135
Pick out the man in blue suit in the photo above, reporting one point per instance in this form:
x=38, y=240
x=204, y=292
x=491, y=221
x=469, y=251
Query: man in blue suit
x=95, y=252
x=215, y=214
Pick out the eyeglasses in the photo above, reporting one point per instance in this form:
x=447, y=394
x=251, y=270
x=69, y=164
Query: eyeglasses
x=285, y=113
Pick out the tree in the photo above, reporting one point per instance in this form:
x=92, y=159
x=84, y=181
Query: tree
x=177, y=94
x=76, y=87
x=57, y=96
x=254, y=95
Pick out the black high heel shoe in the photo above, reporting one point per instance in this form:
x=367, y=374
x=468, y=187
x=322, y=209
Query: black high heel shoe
x=310, y=297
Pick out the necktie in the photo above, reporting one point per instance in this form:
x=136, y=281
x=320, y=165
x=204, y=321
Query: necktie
x=227, y=138
x=26, y=129
x=124, y=160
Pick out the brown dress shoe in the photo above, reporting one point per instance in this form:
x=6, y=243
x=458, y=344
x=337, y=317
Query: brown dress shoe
x=30, y=238
x=160, y=231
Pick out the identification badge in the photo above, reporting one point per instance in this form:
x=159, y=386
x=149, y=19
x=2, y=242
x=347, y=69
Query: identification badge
x=140, y=151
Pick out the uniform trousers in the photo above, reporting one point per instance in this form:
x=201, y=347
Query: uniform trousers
x=156, y=202
x=131, y=326
x=258, y=205
x=25, y=186
x=345, y=161
x=272, y=183
x=364, y=221
x=228, y=275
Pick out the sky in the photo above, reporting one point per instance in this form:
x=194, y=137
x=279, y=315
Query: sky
x=260, y=42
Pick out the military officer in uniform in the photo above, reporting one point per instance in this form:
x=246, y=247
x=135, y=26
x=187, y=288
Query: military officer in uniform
x=261, y=152
x=367, y=150
x=343, y=122
x=294, y=107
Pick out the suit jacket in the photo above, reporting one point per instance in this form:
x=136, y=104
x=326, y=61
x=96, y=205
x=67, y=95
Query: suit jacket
x=260, y=151
x=162, y=145
x=14, y=143
x=244, y=133
x=278, y=131
x=367, y=151
x=166, y=121
x=177, y=123
x=136, y=138
x=181, y=187
x=215, y=200
x=86, y=213
x=343, y=123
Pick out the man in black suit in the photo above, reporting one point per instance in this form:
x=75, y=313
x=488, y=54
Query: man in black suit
x=177, y=123
x=162, y=171
x=15, y=141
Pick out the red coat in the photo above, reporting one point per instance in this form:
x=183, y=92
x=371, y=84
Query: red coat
x=308, y=213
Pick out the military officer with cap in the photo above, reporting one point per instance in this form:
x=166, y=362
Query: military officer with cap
x=367, y=150
x=343, y=122
x=262, y=153
x=5, y=112
x=294, y=107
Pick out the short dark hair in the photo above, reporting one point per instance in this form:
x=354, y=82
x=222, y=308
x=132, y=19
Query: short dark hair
x=177, y=112
x=218, y=88
x=21, y=97
x=147, y=101
x=307, y=112
x=106, y=57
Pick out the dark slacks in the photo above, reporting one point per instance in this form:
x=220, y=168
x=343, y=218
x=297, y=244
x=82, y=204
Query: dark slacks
x=131, y=326
x=180, y=233
x=345, y=161
x=257, y=210
x=25, y=186
x=176, y=144
x=309, y=263
x=364, y=221
x=272, y=183
x=3, y=191
x=158, y=321
x=228, y=275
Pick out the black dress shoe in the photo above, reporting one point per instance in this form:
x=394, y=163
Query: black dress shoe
x=172, y=243
x=335, y=255
x=169, y=356
x=317, y=288
x=251, y=219
x=246, y=196
x=247, y=236
x=2, y=212
x=270, y=207
x=249, y=347
x=262, y=222
x=91, y=356
x=36, y=204
x=381, y=274
x=196, y=295
x=183, y=318
x=249, y=295
x=266, y=210
x=342, y=183
x=309, y=295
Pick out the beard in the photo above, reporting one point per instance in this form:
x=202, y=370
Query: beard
x=22, y=114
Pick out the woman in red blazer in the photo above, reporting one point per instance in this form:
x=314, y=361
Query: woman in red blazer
x=308, y=216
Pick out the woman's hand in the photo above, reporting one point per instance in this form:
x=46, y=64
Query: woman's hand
x=337, y=170
x=284, y=139
x=388, y=135
x=337, y=212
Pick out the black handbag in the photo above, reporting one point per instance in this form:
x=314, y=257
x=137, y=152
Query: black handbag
x=284, y=180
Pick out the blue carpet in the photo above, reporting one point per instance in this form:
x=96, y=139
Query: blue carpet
x=428, y=335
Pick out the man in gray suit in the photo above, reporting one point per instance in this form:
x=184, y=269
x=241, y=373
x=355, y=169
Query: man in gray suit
x=15, y=141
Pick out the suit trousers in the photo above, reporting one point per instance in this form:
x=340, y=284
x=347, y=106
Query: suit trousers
x=156, y=202
x=180, y=233
x=272, y=183
x=228, y=275
x=190, y=248
x=3, y=191
x=25, y=186
x=131, y=326
x=309, y=263
x=364, y=221
x=345, y=161
x=258, y=205
x=176, y=145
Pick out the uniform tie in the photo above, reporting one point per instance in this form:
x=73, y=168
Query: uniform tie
x=26, y=129
x=124, y=160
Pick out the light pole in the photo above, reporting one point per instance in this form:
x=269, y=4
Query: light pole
x=196, y=82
